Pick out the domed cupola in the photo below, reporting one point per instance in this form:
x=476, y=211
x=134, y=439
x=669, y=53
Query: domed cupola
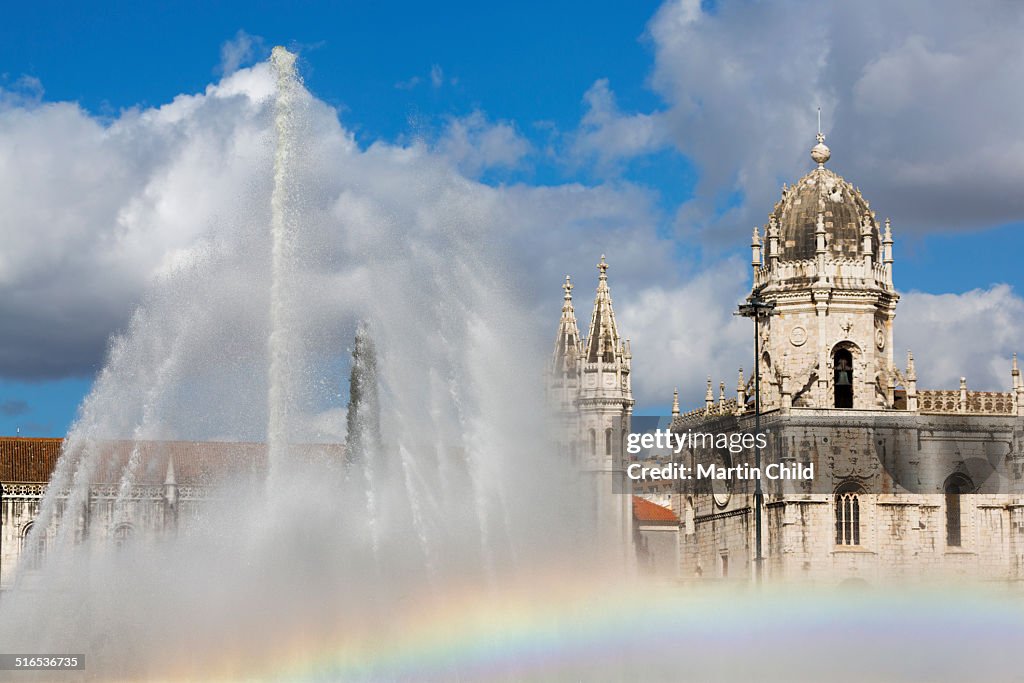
x=841, y=205
x=827, y=268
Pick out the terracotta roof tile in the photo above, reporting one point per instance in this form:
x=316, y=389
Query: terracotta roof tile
x=646, y=511
x=28, y=460
x=195, y=462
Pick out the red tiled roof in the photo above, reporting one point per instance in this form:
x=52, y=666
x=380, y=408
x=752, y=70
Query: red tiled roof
x=28, y=460
x=195, y=462
x=646, y=511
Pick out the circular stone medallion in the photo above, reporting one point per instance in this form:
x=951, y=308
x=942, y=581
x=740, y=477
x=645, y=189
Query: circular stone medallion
x=798, y=336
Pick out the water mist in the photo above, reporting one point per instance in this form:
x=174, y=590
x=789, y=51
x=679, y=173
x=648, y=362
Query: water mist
x=286, y=540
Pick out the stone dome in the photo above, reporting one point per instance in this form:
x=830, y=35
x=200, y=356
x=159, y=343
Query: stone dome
x=821, y=190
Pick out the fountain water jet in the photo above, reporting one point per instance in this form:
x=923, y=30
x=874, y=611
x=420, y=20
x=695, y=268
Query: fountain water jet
x=457, y=490
x=283, y=227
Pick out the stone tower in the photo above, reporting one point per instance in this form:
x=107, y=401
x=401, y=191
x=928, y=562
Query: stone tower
x=592, y=399
x=564, y=378
x=826, y=263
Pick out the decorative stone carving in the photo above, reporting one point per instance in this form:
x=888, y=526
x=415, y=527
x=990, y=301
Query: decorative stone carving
x=798, y=337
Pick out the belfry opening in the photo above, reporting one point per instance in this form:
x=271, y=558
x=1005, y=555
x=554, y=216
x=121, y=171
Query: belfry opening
x=842, y=361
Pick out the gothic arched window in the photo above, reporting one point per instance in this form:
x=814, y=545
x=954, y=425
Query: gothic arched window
x=955, y=486
x=33, y=553
x=848, y=515
x=123, y=534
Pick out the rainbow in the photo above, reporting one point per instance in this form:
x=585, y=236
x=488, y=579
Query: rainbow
x=563, y=627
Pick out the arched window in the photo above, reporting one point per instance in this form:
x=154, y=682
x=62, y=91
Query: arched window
x=608, y=441
x=33, y=553
x=123, y=535
x=593, y=442
x=848, y=515
x=955, y=486
x=843, y=378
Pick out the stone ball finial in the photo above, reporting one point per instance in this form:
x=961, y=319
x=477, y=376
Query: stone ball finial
x=820, y=152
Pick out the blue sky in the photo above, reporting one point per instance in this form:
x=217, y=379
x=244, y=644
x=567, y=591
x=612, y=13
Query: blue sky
x=402, y=72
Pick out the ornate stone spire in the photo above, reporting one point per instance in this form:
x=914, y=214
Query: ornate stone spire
x=1018, y=388
x=170, y=479
x=755, y=248
x=675, y=403
x=603, y=341
x=887, y=251
x=912, y=399
x=721, y=397
x=741, y=394
x=568, y=341
x=709, y=398
x=170, y=484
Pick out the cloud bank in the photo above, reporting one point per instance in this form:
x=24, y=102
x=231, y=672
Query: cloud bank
x=920, y=103
x=97, y=210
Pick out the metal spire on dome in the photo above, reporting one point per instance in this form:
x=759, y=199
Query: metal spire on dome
x=820, y=152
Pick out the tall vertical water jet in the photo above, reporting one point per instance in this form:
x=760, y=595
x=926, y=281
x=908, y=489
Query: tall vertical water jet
x=283, y=226
x=364, y=453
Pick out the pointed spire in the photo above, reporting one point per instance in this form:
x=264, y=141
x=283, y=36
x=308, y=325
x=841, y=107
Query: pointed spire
x=170, y=478
x=911, y=386
x=603, y=342
x=1016, y=370
x=741, y=394
x=675, y=403
x=567, y=342
x=721, y=397
x=755, y=249
x=709, y=398
x=171, y=489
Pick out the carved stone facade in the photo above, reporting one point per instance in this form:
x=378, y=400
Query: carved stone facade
x=171, y=483
x=909, y=483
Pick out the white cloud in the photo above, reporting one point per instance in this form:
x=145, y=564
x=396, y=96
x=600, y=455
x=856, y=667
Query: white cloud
x=610, y=136
x=921, y=105
x=474, y=144
x=972, y=335
x=684, y=333
x=98, y=213
x=408, y=84
x=240, y=51
x=436, y=76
